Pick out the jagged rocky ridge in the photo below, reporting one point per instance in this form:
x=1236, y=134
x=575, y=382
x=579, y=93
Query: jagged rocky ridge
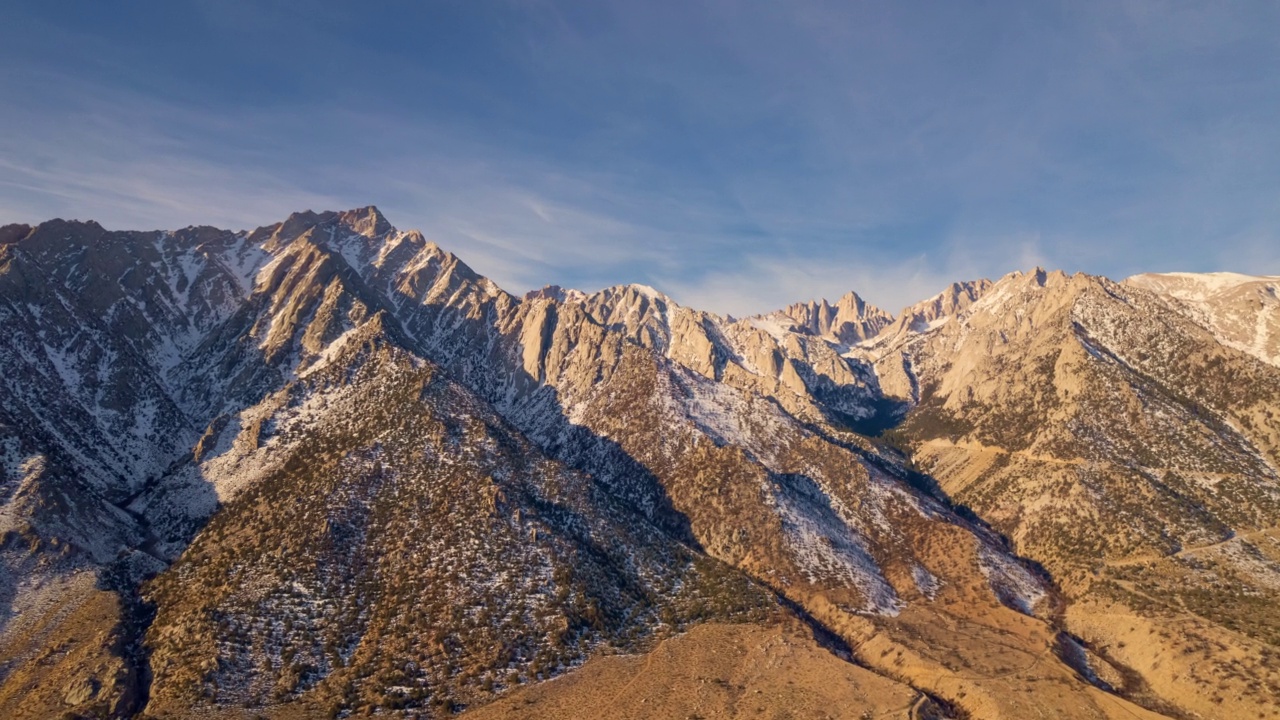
x=368, y=478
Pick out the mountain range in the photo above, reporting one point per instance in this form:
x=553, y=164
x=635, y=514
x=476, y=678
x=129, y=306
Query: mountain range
x=325, y=469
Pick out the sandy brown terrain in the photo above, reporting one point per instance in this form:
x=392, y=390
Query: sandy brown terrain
x=63, y=657
x=715, y=671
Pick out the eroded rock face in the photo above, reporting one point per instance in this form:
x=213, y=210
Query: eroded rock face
x=366, y=478
x=938, y=309
x=851, y=320
x=1116, y=436
x=81, y=691
x=1242, y=311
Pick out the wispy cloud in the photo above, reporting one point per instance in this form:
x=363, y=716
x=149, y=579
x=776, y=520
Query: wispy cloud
x=740, y=159
x=761, y=283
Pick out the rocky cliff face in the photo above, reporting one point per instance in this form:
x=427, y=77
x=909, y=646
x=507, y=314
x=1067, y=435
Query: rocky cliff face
x=850, y=320
x=1242, y=311
x=1109, y=431
x=326, y=466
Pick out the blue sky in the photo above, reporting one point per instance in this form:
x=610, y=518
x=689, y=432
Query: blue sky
x=738, y=155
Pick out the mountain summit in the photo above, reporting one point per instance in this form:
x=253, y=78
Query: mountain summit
x=324, y=468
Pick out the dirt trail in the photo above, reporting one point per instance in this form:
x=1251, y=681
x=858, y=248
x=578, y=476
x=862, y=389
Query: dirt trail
x=1127, y=561
x=648, y=661
x=911, y=710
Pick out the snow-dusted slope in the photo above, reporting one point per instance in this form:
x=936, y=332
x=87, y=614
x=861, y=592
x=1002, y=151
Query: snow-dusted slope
x=851, y=320
x=1242, y=311
x=801, y=368
x=1080, y=368
x=327, y=422
x=1109, y=429
x=934, y=312
x=411, y=530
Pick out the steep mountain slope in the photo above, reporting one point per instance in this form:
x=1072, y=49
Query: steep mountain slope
x=371, y=480
x=276, y=383
x=937, y=309
x=96, y=324
x=808, y=510
x=401, y=546
x=799, y=367
x=563, y=377
x=849, y=321
x=1242, y=311
x=1122, y=446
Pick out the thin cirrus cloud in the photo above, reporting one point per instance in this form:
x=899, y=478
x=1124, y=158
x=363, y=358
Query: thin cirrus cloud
x=738, y=157
x=762, y=283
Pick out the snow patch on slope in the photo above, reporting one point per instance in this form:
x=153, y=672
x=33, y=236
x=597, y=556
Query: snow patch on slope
x=1240, y=311
x=926, y=582
x=826, y=547
x=243, y=261
x=731, y=416
x=1198, y=286
x=1012, y=583
x=776, y=327
x=10, y=458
